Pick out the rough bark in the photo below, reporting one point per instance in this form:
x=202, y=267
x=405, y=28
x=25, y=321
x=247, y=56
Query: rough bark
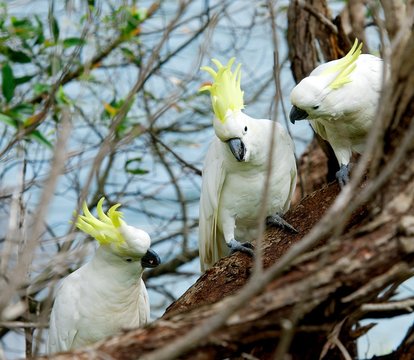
x=310, y=24
x=356, y=11
x=394, y=11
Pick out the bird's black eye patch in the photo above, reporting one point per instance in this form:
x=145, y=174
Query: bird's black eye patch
x=245, y=129
x=128, y=260
x=316, y=107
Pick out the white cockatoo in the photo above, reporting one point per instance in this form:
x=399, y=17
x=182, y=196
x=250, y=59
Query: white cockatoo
x=340, y=100
x=235, y=171
x=107, y=294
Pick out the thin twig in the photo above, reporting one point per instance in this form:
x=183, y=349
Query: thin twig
x=319, y=16
x=22, y=324
x=20, y=272
x=178, y=157
x=407, y=304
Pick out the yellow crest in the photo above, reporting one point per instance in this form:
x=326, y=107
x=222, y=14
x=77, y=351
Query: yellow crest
x=225, y=91
x=105, y=229
x=344, y=67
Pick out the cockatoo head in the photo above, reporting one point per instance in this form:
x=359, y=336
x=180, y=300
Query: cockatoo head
x=316, y=96
x=119, y=238
x=230, y=124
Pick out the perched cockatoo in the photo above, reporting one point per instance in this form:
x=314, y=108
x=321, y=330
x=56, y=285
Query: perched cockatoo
x=340, y=100
x=235, y=170
x=107, y=294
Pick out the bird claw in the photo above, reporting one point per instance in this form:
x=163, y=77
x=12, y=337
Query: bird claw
x=245, y=247
x=277, y=220
x=343, y=175
x=248, y=245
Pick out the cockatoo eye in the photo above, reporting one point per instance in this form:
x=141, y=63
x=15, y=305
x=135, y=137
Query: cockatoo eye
x=128, y=260
x=315, y=107
x=245, y=130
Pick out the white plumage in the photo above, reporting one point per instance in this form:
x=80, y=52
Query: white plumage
x=340, y=100
x=234, y=173
x=107, y=294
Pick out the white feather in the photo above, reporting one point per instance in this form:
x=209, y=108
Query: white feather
x=231, y=194
x=100, y=299
x=344, y=115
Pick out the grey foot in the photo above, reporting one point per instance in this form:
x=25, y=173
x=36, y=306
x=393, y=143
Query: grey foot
x=246, y=247
x=343, y=175
x=277, y=220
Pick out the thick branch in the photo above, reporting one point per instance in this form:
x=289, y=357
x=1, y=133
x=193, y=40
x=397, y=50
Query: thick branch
x=394, y=12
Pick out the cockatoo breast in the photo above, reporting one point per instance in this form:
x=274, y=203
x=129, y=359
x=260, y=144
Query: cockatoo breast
x=111, y=300
x=244, y=185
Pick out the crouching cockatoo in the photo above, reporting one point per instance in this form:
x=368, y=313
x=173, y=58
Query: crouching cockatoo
x=235, y=170
x=107, y=294
x=340, y=100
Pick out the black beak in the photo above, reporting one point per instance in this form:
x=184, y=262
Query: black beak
x=237, y=148
x=297, y=114
x=150, y=259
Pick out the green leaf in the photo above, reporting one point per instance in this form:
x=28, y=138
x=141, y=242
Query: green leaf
x=22, y=28
x=18, y=56
x=3, y=14
x=23, y=108
x=128, y=53
x=40, y=138
x=142, y=14
x=8, y=85
x=54, y=27
x=62, y=98
x=8, y=120
x=23, y=79
x=41, y=88
x=73, y=41
x=39, y=31
x=21, y=112
x=20, y=23
x=135, y=170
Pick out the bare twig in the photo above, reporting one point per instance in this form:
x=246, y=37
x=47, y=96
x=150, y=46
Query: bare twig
x=394, y=12
x=178, y=157
x=33, y=237
x=407, y=304
x=322, y=18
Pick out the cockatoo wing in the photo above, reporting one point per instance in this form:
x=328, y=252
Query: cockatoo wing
x=211, y=243
x=293, y=179
x=368, y=76
x=285, y=156
x=144, y=305
x=292, y=188
x=319, y=128
x=62, y=336
x=346, y=134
